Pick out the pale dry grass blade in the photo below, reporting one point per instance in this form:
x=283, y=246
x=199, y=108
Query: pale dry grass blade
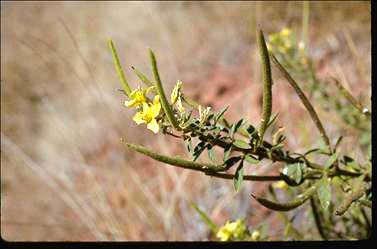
x=49, y=180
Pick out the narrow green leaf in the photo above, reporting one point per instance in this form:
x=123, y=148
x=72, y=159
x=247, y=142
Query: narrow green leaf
x=241, y=144
x=238, y=177
x=272, y=120
x=198, y=150
x=227, y=151
x=220, y=113
x=211, y=153
x=324, y=192
x=293, y=172
x=231, y=161
x=188, y=144
x=235, y=127
x=251, y=159
x=212, y=226
x=331, y=160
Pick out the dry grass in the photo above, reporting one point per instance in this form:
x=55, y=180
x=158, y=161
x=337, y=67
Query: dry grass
x=64, y=173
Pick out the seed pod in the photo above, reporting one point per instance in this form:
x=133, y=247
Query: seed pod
x=300, y=199
x=267, y=84
x=176, y=161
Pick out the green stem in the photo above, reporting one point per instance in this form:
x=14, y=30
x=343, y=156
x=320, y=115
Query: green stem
x=305, y=23
x=305, y=101
x=246, y=177
x=165, y=104
x=118, y=67
x=317, y=219
x=176, y=161
x=267, y=85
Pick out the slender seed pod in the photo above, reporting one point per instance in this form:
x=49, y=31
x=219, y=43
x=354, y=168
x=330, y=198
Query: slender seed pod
x=118, y=68
x=289, y=205
x=351, y=99
x=305, y=102
x=176, y=161
x=142, y=77
x=350, y=198
x=161, y=92
x=267, y=85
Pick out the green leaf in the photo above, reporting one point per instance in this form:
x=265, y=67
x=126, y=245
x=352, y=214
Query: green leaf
x=188, y=144
x=235, y=127
x=324, y=192
x=231, y=161
x=272, y=120
x=238, y=177
x=198, y=150
x=293, y=172
x=220, y=113
x=331, y=160
x=251, y=159
x=241, y=144
x=212, y=226
x=251, y=129
x=227, y=151
x=211, y=153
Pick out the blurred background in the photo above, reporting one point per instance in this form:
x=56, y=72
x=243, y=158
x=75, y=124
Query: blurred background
x=64, y=173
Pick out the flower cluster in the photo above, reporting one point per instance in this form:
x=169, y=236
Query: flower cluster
x=236, y=230
x=148, y=111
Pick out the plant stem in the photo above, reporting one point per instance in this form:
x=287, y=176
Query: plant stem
x=317, y=219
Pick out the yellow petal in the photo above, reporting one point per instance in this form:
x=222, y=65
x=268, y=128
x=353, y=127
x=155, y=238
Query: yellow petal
x=156, y=99
x=153, y=126
x=154, y=110
x=138, y=118
x=130, y=103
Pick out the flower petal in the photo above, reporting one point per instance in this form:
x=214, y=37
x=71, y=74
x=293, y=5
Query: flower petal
x=130, y=103
x=138, y=118
x=153, y=126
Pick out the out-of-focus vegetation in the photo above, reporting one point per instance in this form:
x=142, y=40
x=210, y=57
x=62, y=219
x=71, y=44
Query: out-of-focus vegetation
x=64, y=172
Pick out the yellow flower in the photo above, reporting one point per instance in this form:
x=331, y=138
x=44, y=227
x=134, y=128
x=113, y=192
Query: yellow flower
x=138, y=97
x=280, y=184
x=176, y=93
x=285, y=32
x=255, y=235
x=203, y=113
x=148, y=115
x=232, y=230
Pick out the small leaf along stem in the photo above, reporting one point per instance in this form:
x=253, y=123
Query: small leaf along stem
x=165, y=104
x=267, y=85
x=305, y=101
x=118, y=68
